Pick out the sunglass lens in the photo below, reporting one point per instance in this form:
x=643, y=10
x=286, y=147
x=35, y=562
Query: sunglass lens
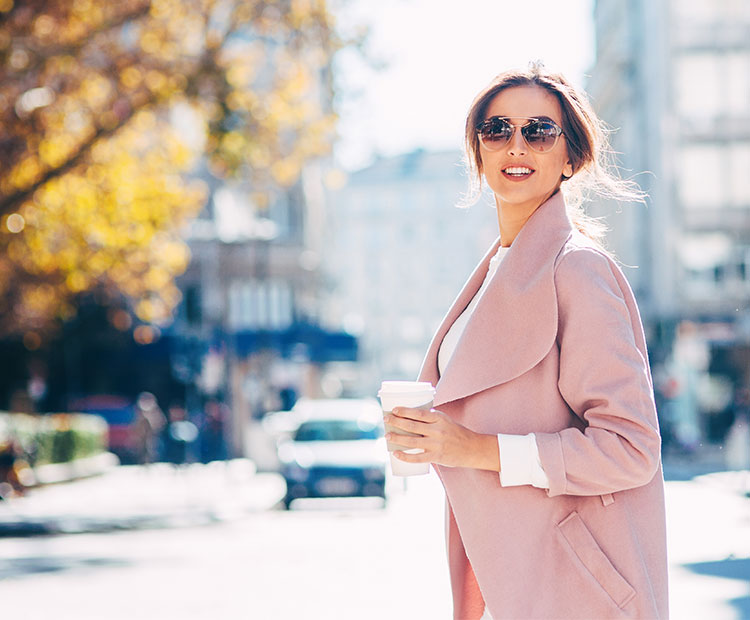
x=495, y=132
x=540, y=135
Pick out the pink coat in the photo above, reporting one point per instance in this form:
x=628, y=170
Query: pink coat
x=555, y=347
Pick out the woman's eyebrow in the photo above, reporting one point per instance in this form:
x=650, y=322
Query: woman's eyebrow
x=539, y=117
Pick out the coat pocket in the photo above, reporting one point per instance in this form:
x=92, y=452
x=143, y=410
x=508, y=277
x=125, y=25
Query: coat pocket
x=587, y=550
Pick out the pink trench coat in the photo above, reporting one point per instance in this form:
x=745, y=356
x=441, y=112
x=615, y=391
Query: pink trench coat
x=555, y=347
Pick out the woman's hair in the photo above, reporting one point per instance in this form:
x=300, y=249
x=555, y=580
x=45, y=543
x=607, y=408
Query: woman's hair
x=585, y=136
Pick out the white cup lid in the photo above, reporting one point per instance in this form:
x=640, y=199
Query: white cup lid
x=405, y=387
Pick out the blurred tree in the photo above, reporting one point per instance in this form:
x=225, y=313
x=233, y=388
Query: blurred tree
x=104, y=109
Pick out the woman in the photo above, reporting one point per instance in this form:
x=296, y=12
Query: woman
x=541, y=374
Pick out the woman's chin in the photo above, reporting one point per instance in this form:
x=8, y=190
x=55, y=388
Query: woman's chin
x=523, y=197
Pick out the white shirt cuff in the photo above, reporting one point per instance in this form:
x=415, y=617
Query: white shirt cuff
x=519, y=461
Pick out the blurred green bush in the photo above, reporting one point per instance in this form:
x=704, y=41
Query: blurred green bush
x=52, y=438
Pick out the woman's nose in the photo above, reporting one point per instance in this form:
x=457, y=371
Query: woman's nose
x=517, y=145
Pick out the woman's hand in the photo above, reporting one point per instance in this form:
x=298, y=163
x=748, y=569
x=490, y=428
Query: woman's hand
x=444, y=441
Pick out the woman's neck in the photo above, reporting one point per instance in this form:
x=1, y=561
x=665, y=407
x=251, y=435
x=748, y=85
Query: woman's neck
x=511, y=218
x=510, y=224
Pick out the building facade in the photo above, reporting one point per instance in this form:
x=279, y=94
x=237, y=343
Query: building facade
x=250, y=327
x=399, y=250
x=673, y=79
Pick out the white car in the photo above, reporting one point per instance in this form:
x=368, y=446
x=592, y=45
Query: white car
x=337, y=450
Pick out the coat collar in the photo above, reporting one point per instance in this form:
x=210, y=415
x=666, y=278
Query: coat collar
x=514, y=325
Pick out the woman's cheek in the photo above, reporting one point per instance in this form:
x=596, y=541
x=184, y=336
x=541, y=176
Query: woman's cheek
x=493, y=180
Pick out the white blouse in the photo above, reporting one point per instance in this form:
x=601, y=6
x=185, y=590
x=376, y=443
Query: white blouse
x=519, y=455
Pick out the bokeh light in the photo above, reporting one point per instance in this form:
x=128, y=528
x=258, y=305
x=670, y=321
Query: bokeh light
x=15, y=223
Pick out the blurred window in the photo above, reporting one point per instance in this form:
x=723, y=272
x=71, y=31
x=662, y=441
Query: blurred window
x=744, y=265
x=279, y=305
x=738, y=82
x=710, y=12
x=700, y=85
x=337, y=430
x=730, y=276
x=738, y=177
x=695, y=10
x=261, y=304
x=192, y=305
x=279, y=211
x=701, y=178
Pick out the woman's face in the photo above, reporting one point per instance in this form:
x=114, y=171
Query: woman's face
x=519, y=176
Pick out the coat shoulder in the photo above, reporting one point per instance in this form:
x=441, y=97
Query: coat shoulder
x=582, y=259
x=590, y=283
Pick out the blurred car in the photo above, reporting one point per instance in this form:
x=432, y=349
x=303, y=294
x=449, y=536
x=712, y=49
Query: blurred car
x=119, y=412
x=337, y=450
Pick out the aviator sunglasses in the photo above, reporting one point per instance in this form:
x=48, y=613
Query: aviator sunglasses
x=540, y=134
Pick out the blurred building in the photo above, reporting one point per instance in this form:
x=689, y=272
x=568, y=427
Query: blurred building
x=249, y=329
x=398, y=252
x=673, y=78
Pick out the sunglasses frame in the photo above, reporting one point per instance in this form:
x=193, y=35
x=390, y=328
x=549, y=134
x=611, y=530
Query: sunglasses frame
x=529, y=119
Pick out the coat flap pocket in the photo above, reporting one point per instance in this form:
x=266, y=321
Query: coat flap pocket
x=587, y=550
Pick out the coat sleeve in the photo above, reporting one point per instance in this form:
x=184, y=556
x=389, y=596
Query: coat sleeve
x=605, y=379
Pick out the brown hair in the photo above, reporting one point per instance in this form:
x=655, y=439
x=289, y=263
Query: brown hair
x=585, y=137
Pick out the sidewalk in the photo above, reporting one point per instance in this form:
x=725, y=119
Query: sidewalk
x=132, y=497
x=708, y=458
x=709, y=548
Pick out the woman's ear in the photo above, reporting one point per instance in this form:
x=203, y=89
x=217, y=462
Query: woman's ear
x=567, y=170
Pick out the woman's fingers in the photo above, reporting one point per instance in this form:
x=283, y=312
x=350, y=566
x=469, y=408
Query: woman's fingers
x=439, y=439
x=405, y=424
x=407, y=441
x=421, y=457
x=422, y=415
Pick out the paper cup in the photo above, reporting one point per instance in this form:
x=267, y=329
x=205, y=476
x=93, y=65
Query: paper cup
x=414, y=394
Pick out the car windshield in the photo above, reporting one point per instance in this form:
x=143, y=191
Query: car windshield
x=337, y=430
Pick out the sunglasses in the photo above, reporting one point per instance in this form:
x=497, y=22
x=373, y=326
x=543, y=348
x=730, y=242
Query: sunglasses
x=540, y=134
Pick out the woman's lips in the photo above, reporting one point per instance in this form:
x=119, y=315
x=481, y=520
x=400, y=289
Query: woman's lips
x=517, y=173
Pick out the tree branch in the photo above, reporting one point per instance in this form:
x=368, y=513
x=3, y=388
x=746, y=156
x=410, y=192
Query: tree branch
x=45, y=53
x=12, y=201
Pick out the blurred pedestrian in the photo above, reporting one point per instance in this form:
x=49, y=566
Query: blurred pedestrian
x=737, y=451
x=687, y=363
x=212, y=439
x=180, y=434
x=11, y=462
x=542, y=375
x=148, y=425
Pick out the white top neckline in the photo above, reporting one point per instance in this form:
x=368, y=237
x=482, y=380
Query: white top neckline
x=450, y=341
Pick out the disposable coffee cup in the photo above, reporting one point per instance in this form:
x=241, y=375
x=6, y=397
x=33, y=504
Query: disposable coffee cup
x=413, y=394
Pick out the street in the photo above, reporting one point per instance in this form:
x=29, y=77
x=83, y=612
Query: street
x=708, y=529
x=325, y=559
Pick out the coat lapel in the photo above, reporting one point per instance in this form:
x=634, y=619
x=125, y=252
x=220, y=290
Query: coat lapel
x=514, y=325
x=429, y=371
